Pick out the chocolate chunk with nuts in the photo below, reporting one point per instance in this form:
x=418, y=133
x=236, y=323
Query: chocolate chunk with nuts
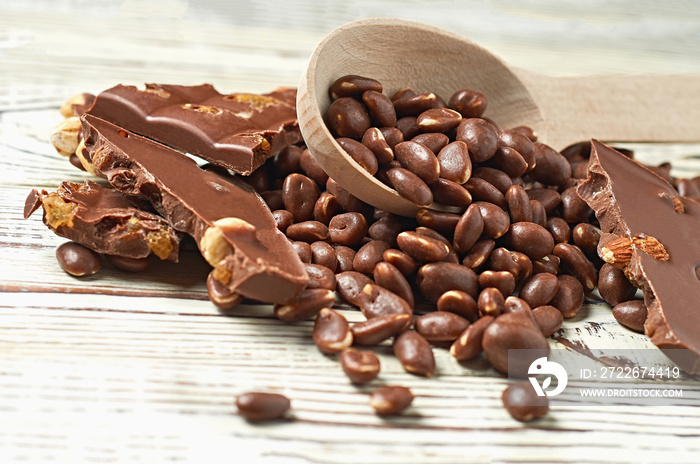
x=238, y=131
x=105, y=220
x=233, y=228
x=655, y=242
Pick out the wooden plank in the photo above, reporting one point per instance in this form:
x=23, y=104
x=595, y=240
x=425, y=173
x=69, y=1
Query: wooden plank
x=141, y=367
x=103, y=359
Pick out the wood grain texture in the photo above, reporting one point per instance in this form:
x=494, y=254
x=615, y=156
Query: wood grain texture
x=618, y=108
x=142, y=368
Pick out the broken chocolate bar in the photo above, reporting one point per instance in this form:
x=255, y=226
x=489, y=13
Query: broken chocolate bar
x=234, y=229
x=237, y=131
x=105, y=220
x=652, y=233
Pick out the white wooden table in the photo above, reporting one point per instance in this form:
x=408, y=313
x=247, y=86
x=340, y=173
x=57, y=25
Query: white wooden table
x=142, y=368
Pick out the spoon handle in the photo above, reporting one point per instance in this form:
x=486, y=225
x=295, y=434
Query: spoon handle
x=618, y=108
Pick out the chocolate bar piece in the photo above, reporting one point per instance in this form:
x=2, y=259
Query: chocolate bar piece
x=104, y=220
x=237, y=131
x=234, y=229
x=652, y=233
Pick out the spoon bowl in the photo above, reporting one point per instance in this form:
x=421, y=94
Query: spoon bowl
x=401, y=54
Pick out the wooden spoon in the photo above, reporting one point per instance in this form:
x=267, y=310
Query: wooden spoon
x=561, y=110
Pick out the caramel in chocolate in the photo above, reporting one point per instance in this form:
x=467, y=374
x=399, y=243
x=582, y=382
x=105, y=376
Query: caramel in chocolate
x=661, y=227
x=231, y=224
x=237, y=131
x=105, y=220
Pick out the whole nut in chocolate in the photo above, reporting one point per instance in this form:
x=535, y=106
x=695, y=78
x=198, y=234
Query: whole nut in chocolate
x=262, y=406
x=490, y=302
x=440, y=326
x=66, y=136
x=331, y=332
x=379, y=328
x=378, y=301
x=369, y=255
x=513, y=331
x=415, y=354
x=523, y=404
x=360, y=366
x=78, y=260
x=391, y=400
x=320, y=277
x=324, y=255
x=389, y=277
x=306, y=305
x=614, y=286
x=460, y=303
x=470, y=342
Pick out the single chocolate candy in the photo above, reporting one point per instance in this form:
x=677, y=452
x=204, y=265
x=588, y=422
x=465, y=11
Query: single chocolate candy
x=105, y=220
x=238, y=131
x=651, y=232
x=232, y=226
x=523, y=404
x=262, y=406
x=78, y=260
x=360, y=366
x=391, y=400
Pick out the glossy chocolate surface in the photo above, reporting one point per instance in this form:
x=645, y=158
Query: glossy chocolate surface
x=237, y=131
x=630, y=200
x=261, y=264
x=105, y=220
